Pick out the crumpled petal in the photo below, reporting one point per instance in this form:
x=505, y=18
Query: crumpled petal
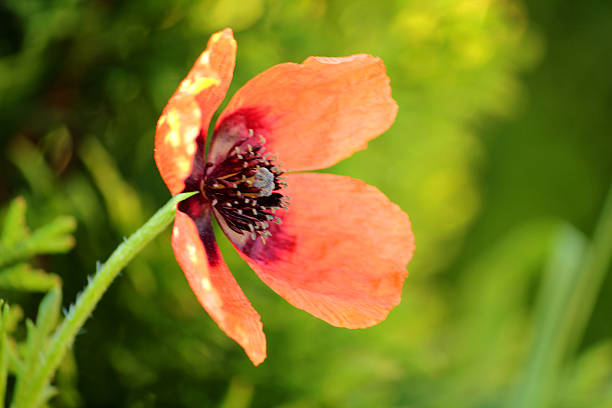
x=319, y=112
x=217, y=291
x=189, y=110
x=340, y=253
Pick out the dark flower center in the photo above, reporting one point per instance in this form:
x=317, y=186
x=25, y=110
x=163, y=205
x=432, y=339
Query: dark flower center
x=243, y=187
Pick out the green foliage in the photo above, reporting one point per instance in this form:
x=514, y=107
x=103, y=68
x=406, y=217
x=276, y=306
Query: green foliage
x=4, y=351
x=37, y=342
x=17, y=248
x=17, y=243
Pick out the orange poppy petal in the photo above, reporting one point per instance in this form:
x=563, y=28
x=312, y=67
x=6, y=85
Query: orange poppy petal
x=213, y=284
x=319, y=112
x=190, y=109
x=340, y=252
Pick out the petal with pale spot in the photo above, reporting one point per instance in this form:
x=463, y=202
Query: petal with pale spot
x=211, y=281
x=189, y=110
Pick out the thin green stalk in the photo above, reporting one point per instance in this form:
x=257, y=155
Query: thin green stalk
x=592, y=274
x=567, y=302
x=4, y=352
x=87, y=301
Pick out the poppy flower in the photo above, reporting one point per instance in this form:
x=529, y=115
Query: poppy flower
x=330, y=245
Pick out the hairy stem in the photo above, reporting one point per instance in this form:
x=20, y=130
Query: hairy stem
x=32, y=393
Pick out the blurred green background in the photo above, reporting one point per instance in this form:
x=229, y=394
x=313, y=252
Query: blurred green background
x=501, y=154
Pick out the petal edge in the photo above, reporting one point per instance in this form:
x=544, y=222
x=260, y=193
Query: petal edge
x=318, y=112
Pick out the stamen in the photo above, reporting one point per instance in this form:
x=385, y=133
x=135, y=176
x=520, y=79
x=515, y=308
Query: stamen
x=247, y=188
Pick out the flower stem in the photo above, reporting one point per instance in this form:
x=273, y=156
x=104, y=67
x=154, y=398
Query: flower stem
x=79, y=312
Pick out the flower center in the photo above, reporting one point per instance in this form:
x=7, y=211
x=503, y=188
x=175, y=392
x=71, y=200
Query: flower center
x=243, y=187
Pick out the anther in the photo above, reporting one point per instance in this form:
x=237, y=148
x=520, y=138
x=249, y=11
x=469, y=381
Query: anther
x=244, y=187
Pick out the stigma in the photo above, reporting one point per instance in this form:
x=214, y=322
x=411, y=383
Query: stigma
x=244, y=187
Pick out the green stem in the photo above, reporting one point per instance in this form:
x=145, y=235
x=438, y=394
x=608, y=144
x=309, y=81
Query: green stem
x=88, y=299
x=567, y=301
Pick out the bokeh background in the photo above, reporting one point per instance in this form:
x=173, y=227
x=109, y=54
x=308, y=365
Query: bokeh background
x=501, y=154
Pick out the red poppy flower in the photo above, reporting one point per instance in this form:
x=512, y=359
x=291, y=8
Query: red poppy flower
x=339, y=250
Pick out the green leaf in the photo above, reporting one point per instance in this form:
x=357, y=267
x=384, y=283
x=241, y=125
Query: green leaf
x=565, y=304
x=506, y=266
x=52, y=238
x=15, y=361
x=239, y=394
x=36, y=343
x=548, y=348
x=30, y=344
x=55, y=236
x=15, y=228
x=4, y=351
x=46, y=320
x=48, y=312
x=122, y=201
x=15, y=314
x=23, y=277
x=30, y=161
